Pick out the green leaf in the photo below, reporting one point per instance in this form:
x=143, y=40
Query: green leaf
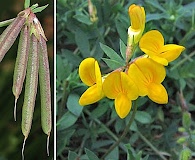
x=112, y=64
x=63, y=69
x=122, y=31
x=182, y=83
x=34, y=6
x=74, y=59
x=138, y=156
x=133, y=126
x=67, y=120
x=73, y=104
x=143, y=117
x=146, y=157
x=59, y=68
x=63, y=138
x=156, y=4
x=72, y=155
x=112, y=54
x=100, y=110
x=123, y=49
x=186, y=71
x=119, y=125
x=91, y=155
x=26, y=4
x=186, y=120
x=39, y=9
x=114, y=154
x=83, y=19
x=156, y=16
x=189, y=6
x=130, y=152
x=160, y=114
x=82, y=42
x=141, y=101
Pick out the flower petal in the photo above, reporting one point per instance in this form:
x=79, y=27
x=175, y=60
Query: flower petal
x=157, y=93
x=91, y=95
x=171, y=51
x=122, y=105
x=151, y=42
x=139, y=79
x=87, y=71
x=119, y=82
x=159, y=59
x=153, y=71
x=98, y=75
x=145, y=71
x=128, y=86
x=112, y=85
x=137, y=16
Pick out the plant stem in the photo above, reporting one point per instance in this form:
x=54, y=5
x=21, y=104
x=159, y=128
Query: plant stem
x=64, y=99
x=103, y=126
x=150, y=145
x=123, y=134
x=183, y=60
x=6, y=22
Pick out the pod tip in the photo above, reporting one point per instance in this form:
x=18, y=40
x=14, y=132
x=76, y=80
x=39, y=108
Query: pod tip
x=15, y=108
x=48, y=144
x=23, y=147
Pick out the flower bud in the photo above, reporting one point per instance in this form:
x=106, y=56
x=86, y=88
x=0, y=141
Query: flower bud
x=137, y=17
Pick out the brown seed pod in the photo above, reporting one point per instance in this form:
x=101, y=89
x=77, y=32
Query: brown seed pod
x=30, y=88
x=10, y=34
x=21, y=64
x=44, y=80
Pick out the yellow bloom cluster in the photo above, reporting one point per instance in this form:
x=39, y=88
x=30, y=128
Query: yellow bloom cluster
x=142, y=76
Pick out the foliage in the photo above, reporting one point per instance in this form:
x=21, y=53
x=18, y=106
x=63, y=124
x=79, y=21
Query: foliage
x=158, y=131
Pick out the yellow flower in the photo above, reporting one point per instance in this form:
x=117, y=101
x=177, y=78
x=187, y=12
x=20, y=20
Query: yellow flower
x=152, y=43
x=138, y=17
x=120, y=87
x=148, y=76
x=90, y=74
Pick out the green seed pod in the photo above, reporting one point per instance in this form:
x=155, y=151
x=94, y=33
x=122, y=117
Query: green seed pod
x=21, y=64
x=30, y=88
x=10, y=34
x=44, y=80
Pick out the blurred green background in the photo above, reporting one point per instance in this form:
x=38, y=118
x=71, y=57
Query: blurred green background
x=158, y=130
x=10, y=131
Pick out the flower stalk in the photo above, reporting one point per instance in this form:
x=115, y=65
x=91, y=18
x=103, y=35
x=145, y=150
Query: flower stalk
x=124, y=132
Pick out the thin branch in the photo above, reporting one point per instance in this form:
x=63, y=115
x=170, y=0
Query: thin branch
x=123, y=134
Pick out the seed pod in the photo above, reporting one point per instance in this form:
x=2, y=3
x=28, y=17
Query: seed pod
x=30, y=88
x=44, y=80
x=10, y=34
x=21, y=64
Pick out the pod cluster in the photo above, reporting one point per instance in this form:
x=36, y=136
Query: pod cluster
x=31, y=64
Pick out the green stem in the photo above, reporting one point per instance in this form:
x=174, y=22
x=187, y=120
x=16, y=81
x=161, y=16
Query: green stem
x=183, y=60
x=6, y=22
x=103, y=126
x=123, y=134
x=151, y=145
x=64, y=99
